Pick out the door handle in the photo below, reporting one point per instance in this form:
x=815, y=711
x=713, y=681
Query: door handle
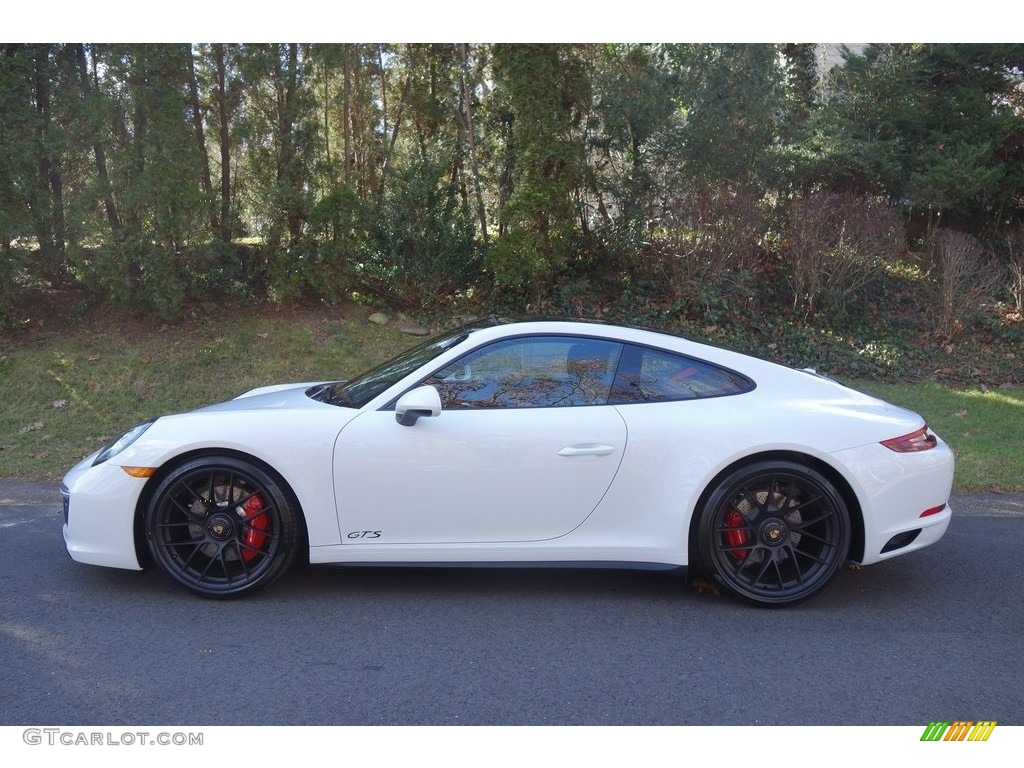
x=587, y=449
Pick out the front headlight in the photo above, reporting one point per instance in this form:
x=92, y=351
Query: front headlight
x=123, y=442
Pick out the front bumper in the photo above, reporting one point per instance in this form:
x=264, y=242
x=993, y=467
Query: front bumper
x=99, y=514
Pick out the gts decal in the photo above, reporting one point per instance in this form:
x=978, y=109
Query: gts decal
x=364, y=535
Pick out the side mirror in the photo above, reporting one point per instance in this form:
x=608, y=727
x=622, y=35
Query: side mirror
x=422, y=401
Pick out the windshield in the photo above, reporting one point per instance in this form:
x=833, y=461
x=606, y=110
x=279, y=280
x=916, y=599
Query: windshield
x=362, y=389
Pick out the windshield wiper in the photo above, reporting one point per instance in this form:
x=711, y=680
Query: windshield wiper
x=325, y=393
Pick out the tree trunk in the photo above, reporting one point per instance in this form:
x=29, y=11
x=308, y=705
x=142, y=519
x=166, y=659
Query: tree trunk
x=327, y=124
x=137, y=82
x=347, y=115
x=223, y=108
x=197, y=124
x=48, y=210
x=386, y=165
x=467, y=107
x=99, y=153
x=287, y=173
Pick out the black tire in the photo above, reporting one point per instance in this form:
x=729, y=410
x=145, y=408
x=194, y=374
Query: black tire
x=774, y=533
x=221, y=527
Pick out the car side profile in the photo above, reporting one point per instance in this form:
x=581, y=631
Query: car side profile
x=524, y=443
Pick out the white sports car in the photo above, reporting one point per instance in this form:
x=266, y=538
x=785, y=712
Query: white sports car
x=542, y=442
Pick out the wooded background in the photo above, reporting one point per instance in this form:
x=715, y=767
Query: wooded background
x=688, y=177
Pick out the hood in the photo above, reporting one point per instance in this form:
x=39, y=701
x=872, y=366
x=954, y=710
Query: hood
x=283, y=396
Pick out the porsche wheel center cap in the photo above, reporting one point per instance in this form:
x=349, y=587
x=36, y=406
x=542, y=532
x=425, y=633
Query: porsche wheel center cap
x=220, y=527
x=774, y=532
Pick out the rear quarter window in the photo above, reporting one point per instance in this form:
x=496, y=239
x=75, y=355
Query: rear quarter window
x=649, y=375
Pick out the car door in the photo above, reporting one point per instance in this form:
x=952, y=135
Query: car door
x=524, y=449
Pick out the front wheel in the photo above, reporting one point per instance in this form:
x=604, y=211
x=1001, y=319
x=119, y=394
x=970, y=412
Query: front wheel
x=774, y=533
x=221, y=527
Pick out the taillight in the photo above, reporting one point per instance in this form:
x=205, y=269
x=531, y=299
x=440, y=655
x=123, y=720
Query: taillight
x=921, y=440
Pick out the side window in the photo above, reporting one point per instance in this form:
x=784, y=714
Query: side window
x=651, y=376
x=530, y=372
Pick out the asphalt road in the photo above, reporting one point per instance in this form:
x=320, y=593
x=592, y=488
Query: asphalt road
x=934, y=635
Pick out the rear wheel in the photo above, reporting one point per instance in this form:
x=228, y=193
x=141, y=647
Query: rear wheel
x=774, y=533
x=221, y=527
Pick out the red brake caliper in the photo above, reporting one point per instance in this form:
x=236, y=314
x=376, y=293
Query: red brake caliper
x=259, y=522
x=736, y=537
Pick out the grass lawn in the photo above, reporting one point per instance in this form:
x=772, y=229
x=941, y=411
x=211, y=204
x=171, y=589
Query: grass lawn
x=67, y=392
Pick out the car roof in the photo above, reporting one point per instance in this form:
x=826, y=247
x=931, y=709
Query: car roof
x=535, y=323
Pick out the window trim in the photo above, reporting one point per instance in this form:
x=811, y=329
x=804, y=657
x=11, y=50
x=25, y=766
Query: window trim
x=751, y=385
x=571, y=337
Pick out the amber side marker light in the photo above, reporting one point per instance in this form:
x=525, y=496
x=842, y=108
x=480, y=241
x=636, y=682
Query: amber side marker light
x=919, y=440
x=140, y=471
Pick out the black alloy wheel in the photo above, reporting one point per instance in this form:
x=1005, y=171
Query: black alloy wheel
x=774, y=533
x=221, y=527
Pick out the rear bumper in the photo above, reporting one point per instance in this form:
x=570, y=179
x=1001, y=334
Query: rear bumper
x=922, y=533
x=895, y=490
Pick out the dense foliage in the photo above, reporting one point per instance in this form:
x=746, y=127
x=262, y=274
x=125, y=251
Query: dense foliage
x=663, y=183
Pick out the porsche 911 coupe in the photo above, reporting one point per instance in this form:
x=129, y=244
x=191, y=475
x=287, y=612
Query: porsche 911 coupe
x=544, y=442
